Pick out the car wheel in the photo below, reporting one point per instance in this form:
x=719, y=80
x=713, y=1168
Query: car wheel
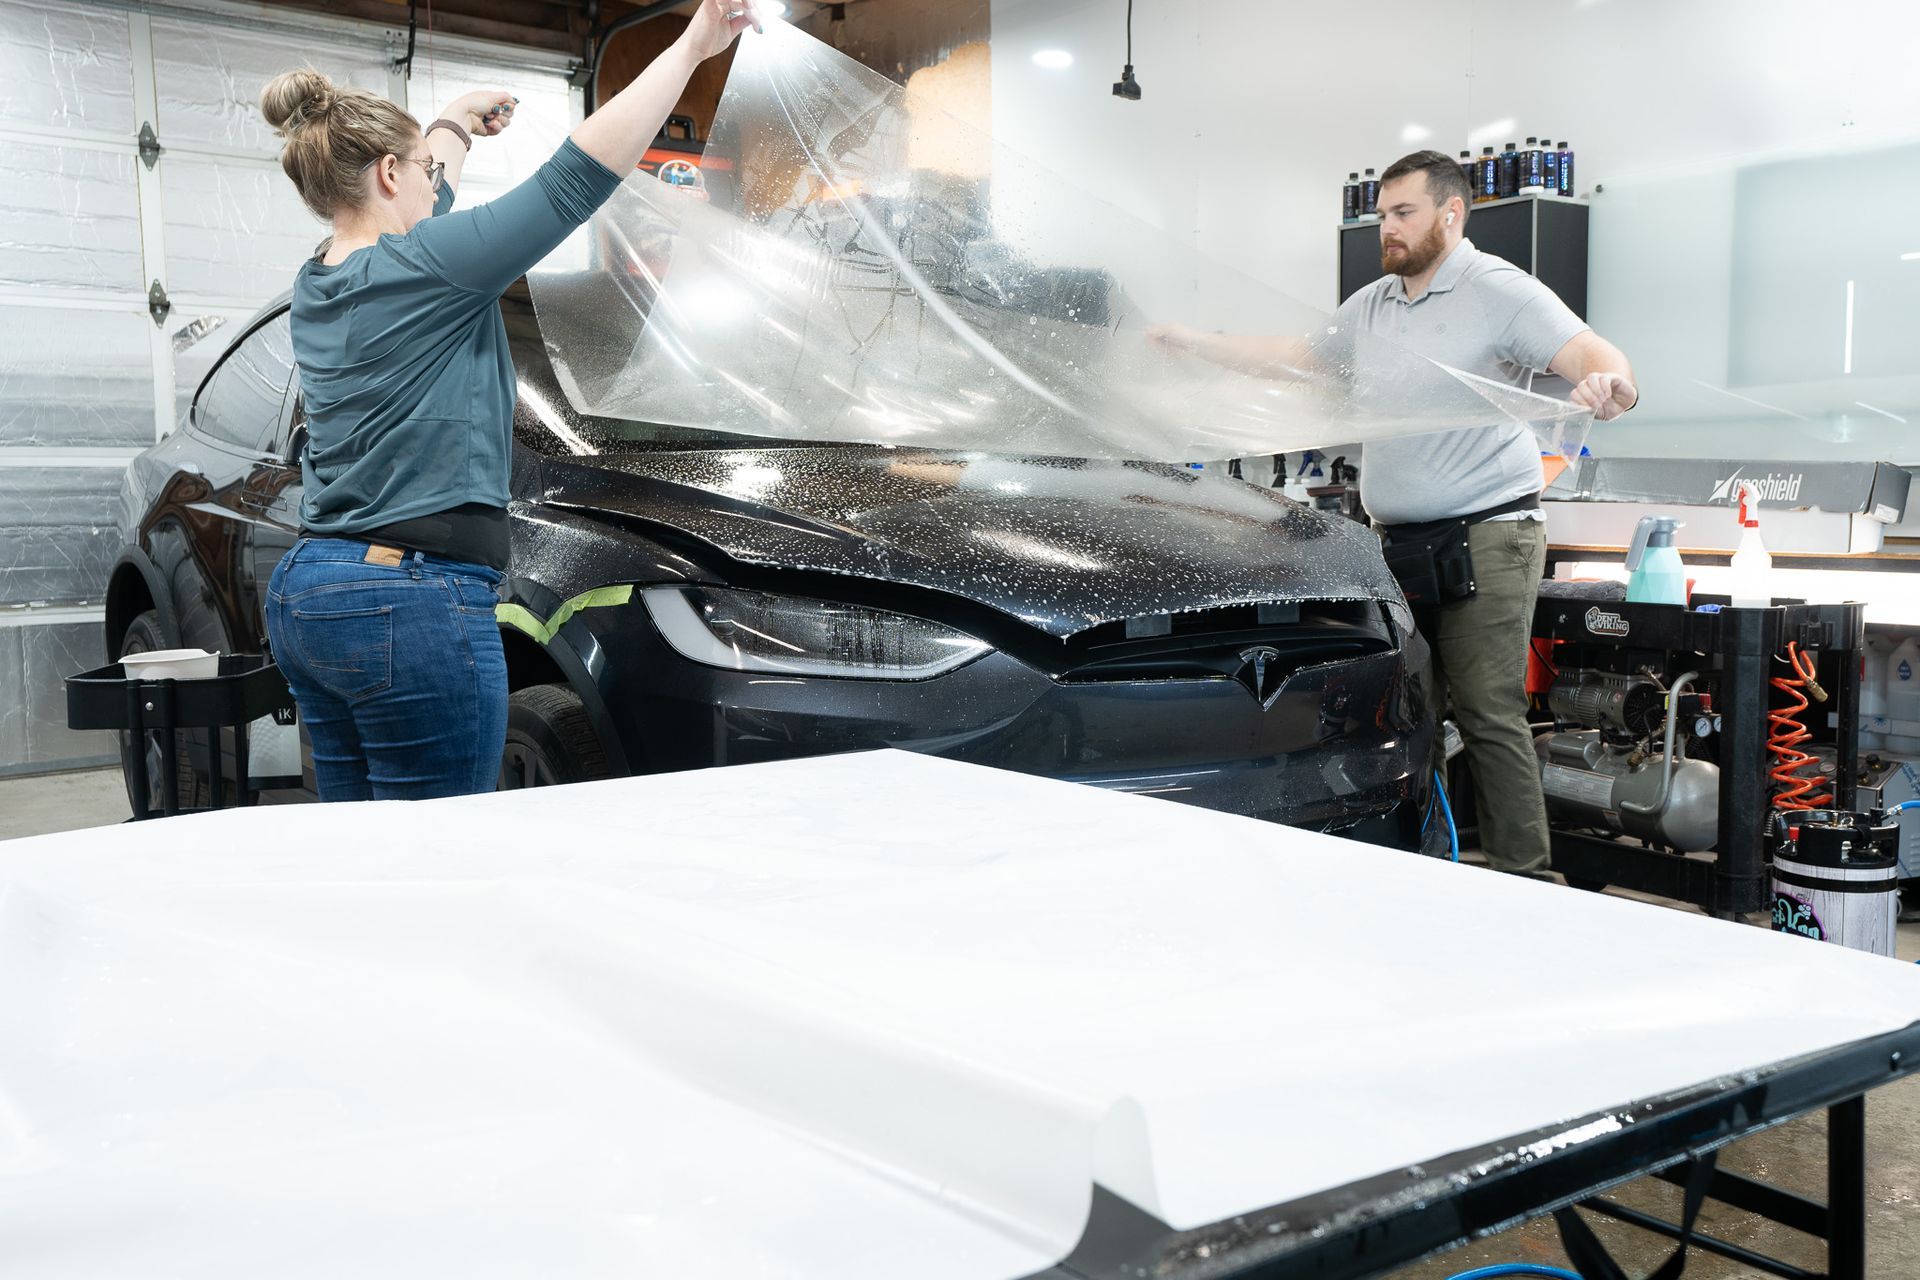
x=549, y=740
x=140, y=755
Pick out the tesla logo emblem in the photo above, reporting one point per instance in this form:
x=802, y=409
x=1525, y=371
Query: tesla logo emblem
x=1260, y=673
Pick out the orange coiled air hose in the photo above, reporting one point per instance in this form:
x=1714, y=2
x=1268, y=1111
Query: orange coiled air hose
x=1786, y=735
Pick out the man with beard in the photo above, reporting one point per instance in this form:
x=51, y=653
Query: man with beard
x=1444, y=299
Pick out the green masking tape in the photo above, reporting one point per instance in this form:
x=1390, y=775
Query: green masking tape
x=522, y=619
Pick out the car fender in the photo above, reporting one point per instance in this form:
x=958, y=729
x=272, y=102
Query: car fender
x=135, y=561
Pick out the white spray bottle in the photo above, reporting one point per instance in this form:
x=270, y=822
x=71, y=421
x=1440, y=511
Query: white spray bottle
x=1752, y=586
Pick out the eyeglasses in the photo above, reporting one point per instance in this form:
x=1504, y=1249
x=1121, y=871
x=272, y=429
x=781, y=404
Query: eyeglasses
x=436, y=169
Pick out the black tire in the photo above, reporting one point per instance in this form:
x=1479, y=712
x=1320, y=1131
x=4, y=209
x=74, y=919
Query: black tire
x=143, y=635
x=550, y=741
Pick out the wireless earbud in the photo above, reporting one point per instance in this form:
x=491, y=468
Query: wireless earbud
x=1449, y=219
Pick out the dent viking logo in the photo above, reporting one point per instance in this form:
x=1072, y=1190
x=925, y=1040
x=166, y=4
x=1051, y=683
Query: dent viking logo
x=1772, y=487
x=1602, y=623
x=1261, y=675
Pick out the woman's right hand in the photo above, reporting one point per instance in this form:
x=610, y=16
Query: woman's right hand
x=484, y=112
x=714, y=27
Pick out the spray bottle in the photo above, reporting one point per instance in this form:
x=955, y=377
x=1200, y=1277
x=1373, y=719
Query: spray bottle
x=1752, y=565
x=1658, y=577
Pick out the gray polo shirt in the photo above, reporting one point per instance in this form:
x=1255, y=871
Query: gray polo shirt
x=1482, y=315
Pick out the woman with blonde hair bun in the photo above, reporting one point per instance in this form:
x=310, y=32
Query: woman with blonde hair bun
x=381, y=615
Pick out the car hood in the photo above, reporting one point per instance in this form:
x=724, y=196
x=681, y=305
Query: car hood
x=1062, y=544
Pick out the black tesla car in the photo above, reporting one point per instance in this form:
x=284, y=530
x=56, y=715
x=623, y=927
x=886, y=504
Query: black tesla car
x=683, y=598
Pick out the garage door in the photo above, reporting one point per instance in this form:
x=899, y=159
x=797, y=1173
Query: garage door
x=143, y=215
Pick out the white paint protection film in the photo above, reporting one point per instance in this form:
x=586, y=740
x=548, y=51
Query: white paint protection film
x=858, y=1016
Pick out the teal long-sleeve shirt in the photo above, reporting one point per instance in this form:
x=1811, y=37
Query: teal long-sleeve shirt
x=404, y=366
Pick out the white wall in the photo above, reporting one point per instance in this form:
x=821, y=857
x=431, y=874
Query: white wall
x=1255, y=110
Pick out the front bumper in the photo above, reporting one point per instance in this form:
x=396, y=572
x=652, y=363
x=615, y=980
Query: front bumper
x=1344, y=747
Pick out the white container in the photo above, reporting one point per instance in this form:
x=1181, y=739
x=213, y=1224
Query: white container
x=1903, y=680
x=1873, y=693
x=1856, y=906
x=1896, y=781
x=171, y=664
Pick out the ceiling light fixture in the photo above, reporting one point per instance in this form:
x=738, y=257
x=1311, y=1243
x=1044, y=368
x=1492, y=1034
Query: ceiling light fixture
x=1126, y=86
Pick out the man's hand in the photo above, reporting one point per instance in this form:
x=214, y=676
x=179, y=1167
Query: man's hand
x=1175, y=338
x=1608, y=394
x=717, y=22
x=484, y=113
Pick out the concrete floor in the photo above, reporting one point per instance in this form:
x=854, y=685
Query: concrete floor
x=1793, y=1156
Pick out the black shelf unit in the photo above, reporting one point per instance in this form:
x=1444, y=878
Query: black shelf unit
x=1739, y=646
x=1543, y=235
x=248, y=687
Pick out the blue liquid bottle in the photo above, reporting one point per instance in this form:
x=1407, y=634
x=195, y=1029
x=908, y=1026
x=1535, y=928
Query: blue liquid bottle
x=1510, y=171
x=1550, y=168
x=1657, y=575
x=1566, y=170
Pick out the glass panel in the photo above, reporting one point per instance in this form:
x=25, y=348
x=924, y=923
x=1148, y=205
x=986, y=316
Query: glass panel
x=207, y=337
x=62, y=67
x=234, y=230
x=58, y=533
x=241, y=404
x=71, y=218
x=1770, y=308
x=210, y=78
x=51, y=654
x=13, y=700
x=75, y=378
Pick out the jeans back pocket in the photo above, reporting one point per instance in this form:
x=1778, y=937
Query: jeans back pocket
x=349, y=653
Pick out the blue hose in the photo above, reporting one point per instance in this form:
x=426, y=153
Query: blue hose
x=1446, y=807
x=1517, y=1269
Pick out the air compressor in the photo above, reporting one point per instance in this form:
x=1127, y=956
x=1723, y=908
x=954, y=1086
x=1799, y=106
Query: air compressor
x=1626, y=769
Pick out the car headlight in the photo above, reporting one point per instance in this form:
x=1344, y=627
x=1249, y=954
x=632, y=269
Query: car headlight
x=789, y=635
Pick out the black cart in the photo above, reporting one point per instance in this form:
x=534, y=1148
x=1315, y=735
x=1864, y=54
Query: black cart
x=1738, y=646
x=248, y=687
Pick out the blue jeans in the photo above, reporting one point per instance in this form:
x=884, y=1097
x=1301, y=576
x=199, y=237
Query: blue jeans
x=398, y=671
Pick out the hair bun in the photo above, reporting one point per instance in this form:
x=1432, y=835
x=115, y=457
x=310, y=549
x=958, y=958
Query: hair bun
x=293, y=98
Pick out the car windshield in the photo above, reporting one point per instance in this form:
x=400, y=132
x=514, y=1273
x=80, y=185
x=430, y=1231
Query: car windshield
x=546, y=421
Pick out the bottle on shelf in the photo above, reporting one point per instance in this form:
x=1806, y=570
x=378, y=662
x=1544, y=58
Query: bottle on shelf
x=1369, y=196
x=1510, y=171
x=1566, y=170
x=1752, y=565
x=1350, y=199
x=1656, y=574
x=1466, y=168
x=1550, y=167
x=1533, y=169
x=1487, y=181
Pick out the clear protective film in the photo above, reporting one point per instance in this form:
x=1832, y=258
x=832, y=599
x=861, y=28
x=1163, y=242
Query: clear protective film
x=850, y=263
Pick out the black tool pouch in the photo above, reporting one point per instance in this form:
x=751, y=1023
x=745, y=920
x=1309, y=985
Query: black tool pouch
x=1431, y=562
